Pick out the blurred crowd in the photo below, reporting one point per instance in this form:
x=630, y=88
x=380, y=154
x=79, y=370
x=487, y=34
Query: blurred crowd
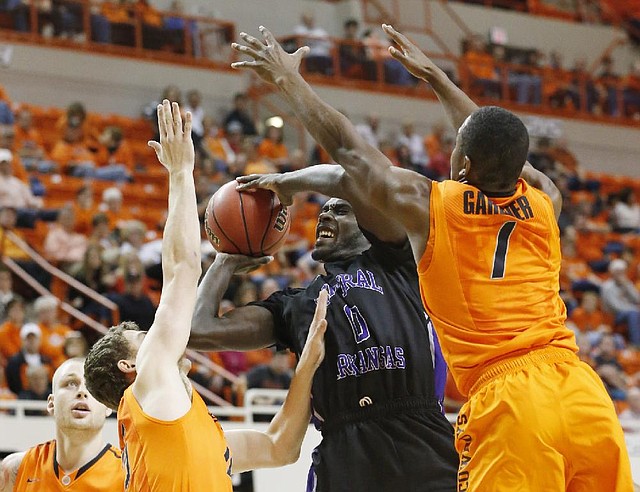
x=68, y=182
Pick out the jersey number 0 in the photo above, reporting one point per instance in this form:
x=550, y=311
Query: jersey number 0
x=502, y=246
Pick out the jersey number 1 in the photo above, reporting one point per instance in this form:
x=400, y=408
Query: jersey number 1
x=502, y=246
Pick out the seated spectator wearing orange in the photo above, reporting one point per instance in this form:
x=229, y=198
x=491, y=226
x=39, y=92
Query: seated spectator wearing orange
x=76, y=118
x=4, y=96
x=53, y=332
x=84, y=210
x=609, y=368
x=72, y=151
x=29, y=355
x=115, y=149
x=214, y=142
x=14, y=192
x=38, y=382
x=112, y=207
x=272, y=146
x=556, y=81
x=481, y=67
x=148, y=14
x=28, y=141
x=588, y=316
x=116, y=12
x=8, y=219
x=63, y=245
x=6, y=291
x=254, y=162
x=10, y=341
x=5, y=393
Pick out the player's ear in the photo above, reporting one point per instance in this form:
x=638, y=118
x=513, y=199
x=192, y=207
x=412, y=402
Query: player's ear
x=126, y=366
x=50, y=404
x=467, y=165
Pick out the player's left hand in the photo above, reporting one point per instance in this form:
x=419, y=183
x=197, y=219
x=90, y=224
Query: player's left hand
x=273, y=182
x=313, y=352
x=270, y=61
x=175, y=150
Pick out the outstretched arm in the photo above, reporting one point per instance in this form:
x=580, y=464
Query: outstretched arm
x=541, y=181
x=9, y=471
x=332, y=181
x=242, y=328
x=280, y=444
x=389, y=190
x=456, y=103
x=163, y=347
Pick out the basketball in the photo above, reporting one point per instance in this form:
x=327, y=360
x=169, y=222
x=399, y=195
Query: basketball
x=252, y=223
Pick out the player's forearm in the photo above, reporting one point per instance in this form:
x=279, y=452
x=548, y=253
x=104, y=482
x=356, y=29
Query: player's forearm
x=181, y=241
x=330, y=128
x=206, y=326
x=289, y=426
x=323, y=178
x=456, y=103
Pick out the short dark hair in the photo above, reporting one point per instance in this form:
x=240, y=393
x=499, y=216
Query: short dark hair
x=99, y=218
x=105, y=381
x=497, y=143
x=350, y=23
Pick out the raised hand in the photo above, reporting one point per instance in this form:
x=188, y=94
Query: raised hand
x=313, y=352
x=175, y=150
x=273, y=182
x=270, y=61
x=412, y=57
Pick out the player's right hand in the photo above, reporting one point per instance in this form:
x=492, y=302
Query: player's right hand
x=313, y=352
x=240, y=263
x=273, y=182
x=175, y=150
x=270, y=61
x=412, y=57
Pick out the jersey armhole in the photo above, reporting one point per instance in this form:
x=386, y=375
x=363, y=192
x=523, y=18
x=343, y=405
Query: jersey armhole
x=427, y=255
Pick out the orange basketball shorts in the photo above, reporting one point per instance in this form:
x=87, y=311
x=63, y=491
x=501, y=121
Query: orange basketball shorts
x=541, y=422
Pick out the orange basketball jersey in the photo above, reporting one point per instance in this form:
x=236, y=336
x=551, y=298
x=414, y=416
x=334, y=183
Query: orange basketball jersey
x=489, y=276
x=40, y=471
x=189, y=454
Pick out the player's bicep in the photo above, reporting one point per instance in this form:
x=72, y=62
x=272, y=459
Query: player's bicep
x=406, y=197
x=243, y=328
x=250, y=450
x=9, y=471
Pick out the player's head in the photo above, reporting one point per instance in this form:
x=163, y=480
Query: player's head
x=110, y=364
x=70, y=402
x=491, y=149
x=338, y=236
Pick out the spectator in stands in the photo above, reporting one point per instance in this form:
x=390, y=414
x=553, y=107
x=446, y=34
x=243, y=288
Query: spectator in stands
x=274, y=375
x=39, y=388
x=631, y=415
x=414, y=142
x=626, y=212
x=251, y=162
x=101, y=231
x=73, y=154
x=541, y=157
x=622, y=299
x=153, y=34
x=606, y=86
x=75, y=345
x=369, y=129
x=75, y=118
x=351, y=52
x=631, y=91
x=10, y=341
x=557, y=82
x=134, y=304
x=319, y=58
x=582, y=89
x=240, y=114
x=133, y=237
x=5, y=393
x=6, y=115
x=194, y=105
x=28, y=142
x=84, y=209
x=19, y=12
x=481, y=67
x=115, y=151
x=112, y=207
x=272, y=146
x=14, y=192
x=29, y=355
x=215, y=145
x=6, y=291
x=527, y=84
x=53, y=332
x=608, y=367
x=91, y=272
x=63, y=245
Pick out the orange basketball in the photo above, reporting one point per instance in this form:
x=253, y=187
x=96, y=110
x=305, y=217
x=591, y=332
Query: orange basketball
x=252, y=223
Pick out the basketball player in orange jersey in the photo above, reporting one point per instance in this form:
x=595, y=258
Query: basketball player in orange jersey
x=78, y=459
x=488, y=253
x=169, y=440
